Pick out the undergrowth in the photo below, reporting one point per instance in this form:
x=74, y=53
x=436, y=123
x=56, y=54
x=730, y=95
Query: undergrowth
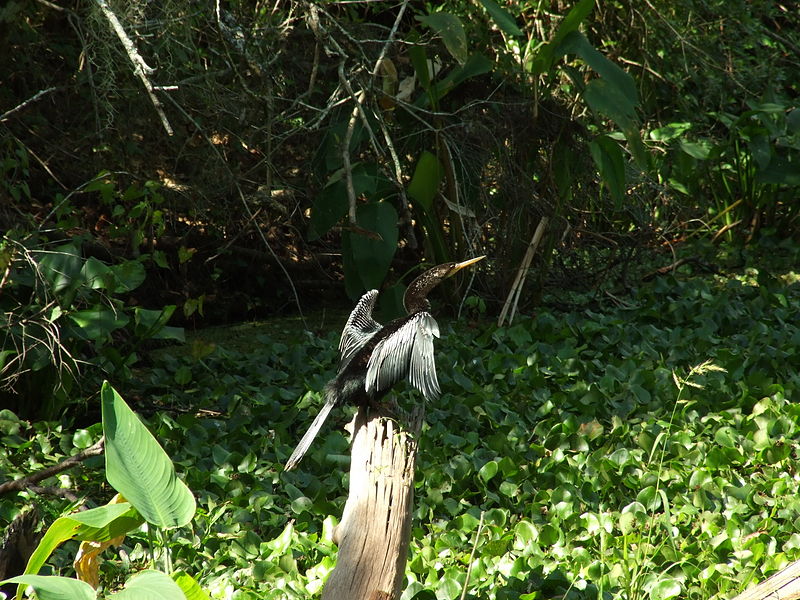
x=644, y=449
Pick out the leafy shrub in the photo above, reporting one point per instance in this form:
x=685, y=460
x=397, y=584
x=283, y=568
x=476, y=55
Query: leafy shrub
x=62, y=313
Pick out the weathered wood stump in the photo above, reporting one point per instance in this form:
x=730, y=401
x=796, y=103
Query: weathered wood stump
x=375, y=529
x=783, y=585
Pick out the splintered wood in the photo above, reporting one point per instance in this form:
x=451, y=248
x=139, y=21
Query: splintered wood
x=373, y=535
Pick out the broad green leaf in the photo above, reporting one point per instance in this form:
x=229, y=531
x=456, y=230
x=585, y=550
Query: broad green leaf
x=526, y=532
x=329, y=206
x=451, y=30
x=543, y=59
x=666, y=588
x=613, y=74
x=448, y=589
x=424, y=184
x=488, y=470
x=576, y=15
x=699, y=150
x=49, y=587
x=781, y=170
x=191, y=589
x=98, y=323
x=150, y=585
x=607, y=99
x=97, y=274
x=151, y=324
x=129, y=275
x=669, y=132
x=371, y=257
x=139, y=469
x=97, y=524
x=501, y=18
x=61, y=267
x=607, y=156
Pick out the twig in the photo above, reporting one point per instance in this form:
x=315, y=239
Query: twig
x=358, y=111
x=472, y=557
x=30, y=100
x=140, y=68
x=248, y=210
x=31, y=480
x=522, y=272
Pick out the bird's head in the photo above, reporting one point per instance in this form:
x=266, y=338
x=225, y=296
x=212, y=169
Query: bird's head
x=416, y=294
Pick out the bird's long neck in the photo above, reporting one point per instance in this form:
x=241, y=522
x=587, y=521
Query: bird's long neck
x=416, y=296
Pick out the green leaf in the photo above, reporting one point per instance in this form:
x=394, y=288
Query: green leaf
x=502, y=18
x=96, y=524
x=669, y=132
x=616, y=77
x=139, y=469
x=329, y=205
x=61, y=267
x=607, y=156
x=367, y=259
x=543, y=60
x=150, y=585
x=419, y=60
x=488, y=470
x=98, y=323
x=191, y=589
x=129, y=275
x=424, y=184
x=151, y=324
x=477, y=64
x=699, y=150
x=451, y=30
x=97, y=274
x=49, y=587
x=666, y=588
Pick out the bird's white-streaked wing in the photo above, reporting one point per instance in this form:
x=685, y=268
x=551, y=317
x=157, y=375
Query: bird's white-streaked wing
x=406, y=353
x=360, y=327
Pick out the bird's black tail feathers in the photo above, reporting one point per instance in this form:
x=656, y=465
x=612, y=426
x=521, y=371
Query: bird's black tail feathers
x=331, y=398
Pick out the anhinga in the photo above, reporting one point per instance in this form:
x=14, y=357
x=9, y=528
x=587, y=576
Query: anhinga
x=375, y=357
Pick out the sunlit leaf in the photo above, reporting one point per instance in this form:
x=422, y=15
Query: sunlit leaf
x=139, y=469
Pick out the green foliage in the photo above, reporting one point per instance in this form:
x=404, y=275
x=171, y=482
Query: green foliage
x=751, y=174
x=137, y=467
x=630, y=451
x=62, y=314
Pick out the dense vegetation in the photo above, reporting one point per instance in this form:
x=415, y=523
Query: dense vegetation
x=166, y=166
x=636, y=450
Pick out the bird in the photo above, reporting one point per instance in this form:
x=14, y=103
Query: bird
x=373, y=358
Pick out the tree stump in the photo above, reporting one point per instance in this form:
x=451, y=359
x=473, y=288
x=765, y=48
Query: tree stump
x=375, y=529
x=783, y=585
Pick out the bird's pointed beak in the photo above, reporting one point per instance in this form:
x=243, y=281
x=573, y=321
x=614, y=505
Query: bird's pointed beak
x=458, y=266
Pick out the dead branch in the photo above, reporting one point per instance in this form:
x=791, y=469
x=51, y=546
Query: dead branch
x=32, y=99
x=141, y=68
x=31, y=480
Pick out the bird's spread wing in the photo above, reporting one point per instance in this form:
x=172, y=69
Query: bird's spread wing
x=406, y=353
x=360, y=327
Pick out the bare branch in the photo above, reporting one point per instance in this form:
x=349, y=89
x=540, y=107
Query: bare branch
x=140, y=68
x=34, y=98
x=31, y=480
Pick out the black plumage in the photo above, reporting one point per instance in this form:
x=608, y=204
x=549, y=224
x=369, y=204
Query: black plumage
x=375, y=357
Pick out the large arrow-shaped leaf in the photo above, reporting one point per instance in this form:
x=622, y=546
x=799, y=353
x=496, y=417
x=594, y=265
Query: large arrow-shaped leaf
x=139, y=469
x=49, y=587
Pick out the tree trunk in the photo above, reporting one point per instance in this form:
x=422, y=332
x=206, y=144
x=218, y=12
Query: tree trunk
x=374, y=533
